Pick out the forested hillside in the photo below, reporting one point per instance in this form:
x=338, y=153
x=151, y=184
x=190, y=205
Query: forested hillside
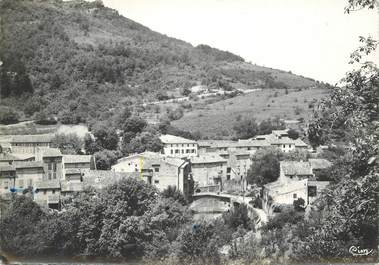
x=80, y=62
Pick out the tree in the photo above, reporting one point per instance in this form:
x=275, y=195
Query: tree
x=293, y=134
x=43, y=118
x=299, y=204
x=267, y=126
x=68, y=143
x=90, y=146
x=246, y=128
x=8, y=115
x=142, y=142
x=105, y=159
x=105, y=137
x=265, y=167
x=18, y=227
x=126, y=200
x=238, y=216
x=134, y=125
x=175, y=194
x=348, y=210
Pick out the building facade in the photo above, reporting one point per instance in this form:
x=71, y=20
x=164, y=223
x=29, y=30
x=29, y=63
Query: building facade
x=178, y=146
x=158, y=170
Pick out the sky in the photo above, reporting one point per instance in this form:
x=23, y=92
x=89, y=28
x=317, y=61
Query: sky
x=313, y=38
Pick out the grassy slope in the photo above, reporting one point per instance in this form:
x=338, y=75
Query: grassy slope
x=79, y=43
x=217, y=119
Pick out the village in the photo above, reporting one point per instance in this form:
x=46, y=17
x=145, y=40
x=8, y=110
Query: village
x=213, y=168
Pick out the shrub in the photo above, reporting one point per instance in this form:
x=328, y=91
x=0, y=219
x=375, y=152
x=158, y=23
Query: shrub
x=8, y=116
x=299, y=204
x=44, y=119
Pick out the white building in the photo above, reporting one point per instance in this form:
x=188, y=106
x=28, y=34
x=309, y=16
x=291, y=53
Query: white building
x=296, y=181
x=159, y=170
x=178, y=146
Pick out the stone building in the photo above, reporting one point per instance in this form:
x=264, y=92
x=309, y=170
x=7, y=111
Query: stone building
x=178, y=146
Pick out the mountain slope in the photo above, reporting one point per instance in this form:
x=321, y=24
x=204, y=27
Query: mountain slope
x=83, y=62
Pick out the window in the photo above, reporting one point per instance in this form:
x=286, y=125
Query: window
x=187, y=151
x=52, y=170
x=21, y=183
x=44, y=192
x=182, y=151
x=172, y=151
x=228, y=170
x=156, y=181
x=312, y=191
x=53, y=191
x=6, y=184
x=294, y=195
x=187, y=145
x=156, y=169
x=177, y=151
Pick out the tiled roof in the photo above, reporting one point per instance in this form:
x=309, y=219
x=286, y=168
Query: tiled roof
x=51, y=152
x=151, y=158
x=207, y=159
x=73, y=171
x=28, y=164
x=319, y=163
x=283, y=140
x=36, y=138
x=102, y=178
x=48, y=184
x=253, y=143
x=71, y=159
x=292, y=168
x=23, y=156
x=280, y=132
x=217, y=143
x=319, y=184
x=277, y=187
x=7, y=157
x=7, y=168
x=299, y=142
x=146, y=154
x=172, y=139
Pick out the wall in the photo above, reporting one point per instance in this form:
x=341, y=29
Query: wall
x=59, y=167
x=27, y=148
x=180, y=150
x=204, y=174
x=132, y=164
x=27, y=175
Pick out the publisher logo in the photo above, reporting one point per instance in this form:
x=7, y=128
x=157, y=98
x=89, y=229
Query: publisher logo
x=358, y=251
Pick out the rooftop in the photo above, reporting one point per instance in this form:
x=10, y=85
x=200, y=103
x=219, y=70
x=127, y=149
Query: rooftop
x=73, y=171
x=48, y=184
x=71, y=159
x=216, y=143
x=296, y=168
x=172, y=139
x=207, y=159
x=50, y=152
x=151, y=158
x=102, y=178
x=7, y=168
x=28, y=164
x=33, y=138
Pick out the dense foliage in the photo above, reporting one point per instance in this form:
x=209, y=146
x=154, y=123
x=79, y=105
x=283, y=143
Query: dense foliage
x=82, y=62
x=247, y=127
